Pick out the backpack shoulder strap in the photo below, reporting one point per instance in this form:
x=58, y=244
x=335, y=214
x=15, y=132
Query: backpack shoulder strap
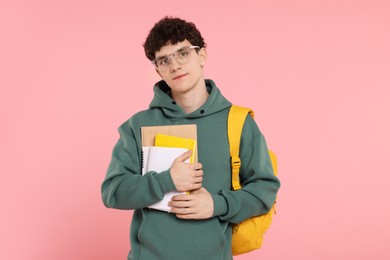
x=236, y=119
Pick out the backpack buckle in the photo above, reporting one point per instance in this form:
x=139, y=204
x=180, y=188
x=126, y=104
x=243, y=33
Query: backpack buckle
x=236, y=162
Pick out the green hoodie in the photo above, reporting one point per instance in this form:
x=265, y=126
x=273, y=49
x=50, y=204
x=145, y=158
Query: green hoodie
x=159, y=235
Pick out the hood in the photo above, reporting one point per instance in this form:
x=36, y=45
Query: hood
x=162, y=100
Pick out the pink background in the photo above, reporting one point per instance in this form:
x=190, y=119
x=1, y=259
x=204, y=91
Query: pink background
x=317, y=74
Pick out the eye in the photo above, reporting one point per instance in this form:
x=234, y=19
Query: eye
x=162, y=61
x=183, y=53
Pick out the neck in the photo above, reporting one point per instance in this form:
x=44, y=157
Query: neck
x=193, y=99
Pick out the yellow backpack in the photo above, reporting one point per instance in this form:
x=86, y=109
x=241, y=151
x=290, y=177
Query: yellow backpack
x=247, y=235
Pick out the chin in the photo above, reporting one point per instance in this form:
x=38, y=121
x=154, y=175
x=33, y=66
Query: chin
x=181, y=86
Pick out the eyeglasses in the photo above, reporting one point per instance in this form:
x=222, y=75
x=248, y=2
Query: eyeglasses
x=181, y=56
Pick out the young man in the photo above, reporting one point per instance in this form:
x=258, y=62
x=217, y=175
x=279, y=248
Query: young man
x=199, y=225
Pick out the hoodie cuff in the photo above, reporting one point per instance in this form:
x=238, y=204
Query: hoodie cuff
x=220, y=205
x=165, y=181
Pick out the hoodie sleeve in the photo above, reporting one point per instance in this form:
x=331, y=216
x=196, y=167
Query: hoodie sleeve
x=124, y=187
x=259, y=184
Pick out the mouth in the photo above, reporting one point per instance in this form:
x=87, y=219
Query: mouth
x=180, y=76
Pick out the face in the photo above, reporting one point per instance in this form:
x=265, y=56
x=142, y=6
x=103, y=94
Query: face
x=180, y=76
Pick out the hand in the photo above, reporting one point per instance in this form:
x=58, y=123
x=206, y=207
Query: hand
x=186, y=176
x=197, y=205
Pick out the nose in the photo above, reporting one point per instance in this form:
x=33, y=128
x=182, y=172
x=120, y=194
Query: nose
x=174, y=64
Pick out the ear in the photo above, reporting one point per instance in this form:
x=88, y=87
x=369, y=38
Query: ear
x=203, y=56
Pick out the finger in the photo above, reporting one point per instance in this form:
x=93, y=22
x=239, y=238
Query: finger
x=182, y=197
x=198, y=180
x=198, y=173
x=184, y=156
x=182, y=211
x=196, y=166
x=194, y=186
x=180, y=204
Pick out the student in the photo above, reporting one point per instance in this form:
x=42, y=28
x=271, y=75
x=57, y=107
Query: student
x=199, y=225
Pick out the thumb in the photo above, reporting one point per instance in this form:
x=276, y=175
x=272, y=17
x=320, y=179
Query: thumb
x=184, y=156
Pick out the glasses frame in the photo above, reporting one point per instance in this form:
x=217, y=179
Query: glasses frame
x=172, y=56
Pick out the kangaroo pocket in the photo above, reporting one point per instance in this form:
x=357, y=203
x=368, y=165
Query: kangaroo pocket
x=163, y=236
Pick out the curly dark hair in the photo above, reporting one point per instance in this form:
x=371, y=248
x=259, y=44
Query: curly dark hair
x=170, y=30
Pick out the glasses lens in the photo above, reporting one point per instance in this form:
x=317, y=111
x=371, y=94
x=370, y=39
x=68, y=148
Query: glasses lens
x=162, y=62
x=182, y=55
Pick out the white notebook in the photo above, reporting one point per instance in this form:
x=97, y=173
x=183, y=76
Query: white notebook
x=159, y=159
